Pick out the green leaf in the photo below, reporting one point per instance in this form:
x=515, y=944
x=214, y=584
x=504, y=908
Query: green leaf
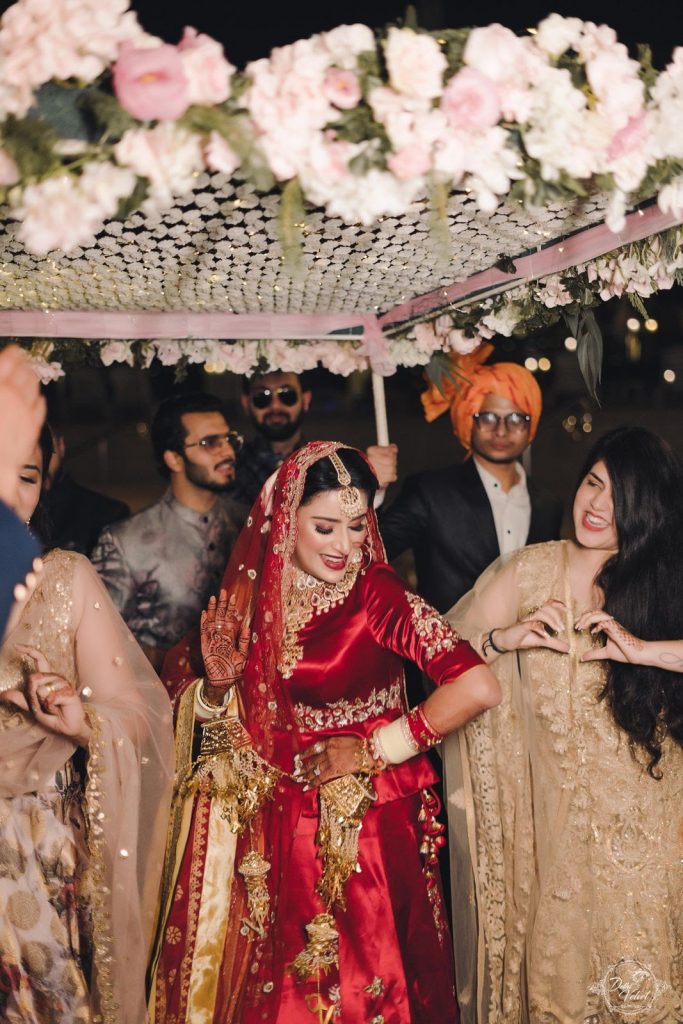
x=589, y=351
x=410, y=18
x=30, y=143
x=107, y=112
x=637, y=304
x=204, y=120
x=648, y=73
x=441, y=368
x=438, y=220
x=132, y=202
x=290, y=217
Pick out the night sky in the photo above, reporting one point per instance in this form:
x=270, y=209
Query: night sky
x=249, y=30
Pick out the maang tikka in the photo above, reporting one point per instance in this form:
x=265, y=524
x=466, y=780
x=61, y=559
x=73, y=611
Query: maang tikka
x=350, y=498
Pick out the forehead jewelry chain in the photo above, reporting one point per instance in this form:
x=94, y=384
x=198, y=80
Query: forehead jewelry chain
x=350, y=498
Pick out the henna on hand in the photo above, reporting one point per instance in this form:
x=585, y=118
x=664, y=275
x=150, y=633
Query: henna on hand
x=225, y=637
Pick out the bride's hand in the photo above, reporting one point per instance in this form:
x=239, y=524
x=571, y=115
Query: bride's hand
x=620, y=644
x=537, y=630
x=225, y=637
x=51, y=699
x=328, y=759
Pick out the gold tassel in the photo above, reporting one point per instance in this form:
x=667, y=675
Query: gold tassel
x=321, y=952
x=254, y=869
x=343, y=805
x=230, y=771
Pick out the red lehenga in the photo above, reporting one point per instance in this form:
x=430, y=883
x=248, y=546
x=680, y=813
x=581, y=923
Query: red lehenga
x=328, y=662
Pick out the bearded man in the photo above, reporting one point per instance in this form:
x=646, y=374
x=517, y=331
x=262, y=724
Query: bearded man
x=277, y=403
x=162, y=565
x=459, y=519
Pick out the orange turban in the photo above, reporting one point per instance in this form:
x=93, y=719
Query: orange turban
x=465, y=391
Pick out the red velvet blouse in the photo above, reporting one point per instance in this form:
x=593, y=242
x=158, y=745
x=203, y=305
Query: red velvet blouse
x=350, y=676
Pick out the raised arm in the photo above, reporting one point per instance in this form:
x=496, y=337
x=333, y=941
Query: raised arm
x=621, y=645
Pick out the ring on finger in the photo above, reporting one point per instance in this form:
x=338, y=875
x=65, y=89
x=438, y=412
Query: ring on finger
x=319, y=747
x=316, y=770
x=50, y=688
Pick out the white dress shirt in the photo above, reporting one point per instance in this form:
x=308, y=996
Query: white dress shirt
x=511, y=510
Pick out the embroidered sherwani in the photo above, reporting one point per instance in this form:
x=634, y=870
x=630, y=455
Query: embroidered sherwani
x=343, y=670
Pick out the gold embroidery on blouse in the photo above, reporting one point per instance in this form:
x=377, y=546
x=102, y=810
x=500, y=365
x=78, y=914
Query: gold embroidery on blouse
x=347, y=712
x=307, y=597
x=431, y=627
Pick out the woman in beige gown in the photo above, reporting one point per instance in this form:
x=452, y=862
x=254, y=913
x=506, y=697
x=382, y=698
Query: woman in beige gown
x=86, y=761
x=566, y=802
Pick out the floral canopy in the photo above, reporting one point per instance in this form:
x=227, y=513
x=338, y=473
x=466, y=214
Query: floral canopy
x=356, y=199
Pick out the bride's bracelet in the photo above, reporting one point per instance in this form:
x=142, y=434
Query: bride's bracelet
x=203, y=706
x=405, y=737
x=370, y=760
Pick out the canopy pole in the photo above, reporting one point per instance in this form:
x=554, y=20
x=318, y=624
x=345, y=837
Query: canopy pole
x=380, y=403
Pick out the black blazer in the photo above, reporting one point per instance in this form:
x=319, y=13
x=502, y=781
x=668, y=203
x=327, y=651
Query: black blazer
x=445, y=516
x=17, y=551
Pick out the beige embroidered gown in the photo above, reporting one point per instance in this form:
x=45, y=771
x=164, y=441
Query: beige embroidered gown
x=81, y=832
x=566, y=853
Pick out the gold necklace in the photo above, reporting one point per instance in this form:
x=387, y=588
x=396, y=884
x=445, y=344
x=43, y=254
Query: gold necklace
x=309, y=596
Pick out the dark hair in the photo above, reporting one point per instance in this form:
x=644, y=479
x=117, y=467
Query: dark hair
x=167, y=430
x=40, y=520
x=322, y=476
x=643, y=582
x=303, y=378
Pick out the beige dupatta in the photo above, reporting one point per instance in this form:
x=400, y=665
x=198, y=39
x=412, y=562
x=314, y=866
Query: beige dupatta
x=71, y=618
x=568, y=895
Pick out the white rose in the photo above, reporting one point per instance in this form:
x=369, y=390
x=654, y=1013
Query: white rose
x=496, y=52
x=555, y=34
x=415, y=62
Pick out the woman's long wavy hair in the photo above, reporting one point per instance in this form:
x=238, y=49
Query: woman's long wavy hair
x=643, y=582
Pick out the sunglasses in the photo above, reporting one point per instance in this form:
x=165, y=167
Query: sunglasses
x=213, y=442
x=286, y=395
x=514, y=422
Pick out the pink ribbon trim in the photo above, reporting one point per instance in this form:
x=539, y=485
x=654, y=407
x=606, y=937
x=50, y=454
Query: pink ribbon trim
x=580, y=248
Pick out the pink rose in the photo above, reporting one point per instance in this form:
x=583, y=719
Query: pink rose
x=471, y=101
x=219, y=155
x=497, y=52
x=629, y=138
x=208, y=72
x=409, y=162
x=151, y=84
x=415, y=63
x=342, y=88
x=9, y=172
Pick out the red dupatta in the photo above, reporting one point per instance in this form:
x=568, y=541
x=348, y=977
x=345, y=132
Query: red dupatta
x=259, y=574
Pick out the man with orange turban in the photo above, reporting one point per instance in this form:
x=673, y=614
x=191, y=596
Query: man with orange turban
x=459, y=519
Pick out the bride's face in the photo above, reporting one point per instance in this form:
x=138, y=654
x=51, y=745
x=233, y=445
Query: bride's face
x=594, y=511
x=30, y=480
x=326, y=540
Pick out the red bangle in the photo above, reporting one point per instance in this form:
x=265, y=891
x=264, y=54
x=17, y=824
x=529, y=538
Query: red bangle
x=424, y=734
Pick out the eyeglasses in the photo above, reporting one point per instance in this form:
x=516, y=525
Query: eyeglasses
x=286, y=395
x=515, y=422
x=212, y=442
